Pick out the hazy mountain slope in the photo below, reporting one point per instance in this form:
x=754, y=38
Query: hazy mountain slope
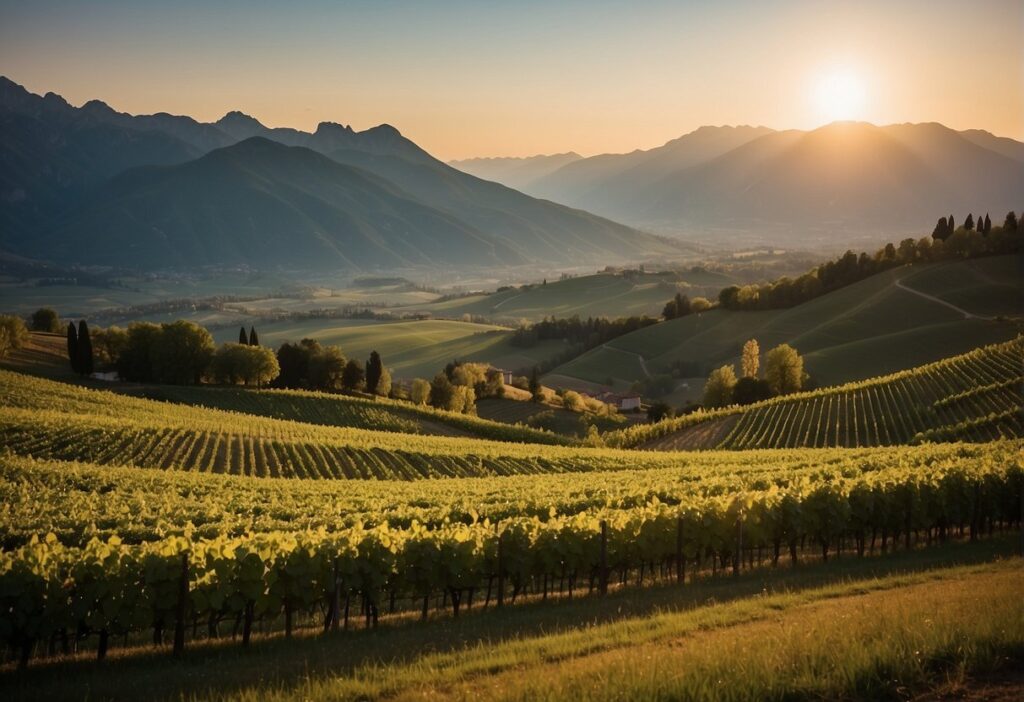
x=540, y=230
x=263, y=204
x=1001, y=145
x=43, y=151
x=516, y=173
x=606, y=183
x=847, y=175
x=51, y=153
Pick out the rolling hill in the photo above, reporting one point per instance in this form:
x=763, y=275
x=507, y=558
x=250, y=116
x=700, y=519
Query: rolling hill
x=234, y=200
x=971, y=397
x=898, y=319
x=842, y=177
x=600, y=295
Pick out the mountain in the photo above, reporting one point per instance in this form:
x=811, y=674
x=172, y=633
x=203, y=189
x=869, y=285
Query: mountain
x=263, y=204
x=58, y=161
x=516, y=173
x=621, y=176
x=834, y=181
x=52, y=153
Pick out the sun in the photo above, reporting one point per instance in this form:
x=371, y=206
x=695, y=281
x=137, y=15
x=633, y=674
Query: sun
x=840, y=96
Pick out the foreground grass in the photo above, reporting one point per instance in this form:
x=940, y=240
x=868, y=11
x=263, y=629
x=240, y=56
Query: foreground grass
x=660, y=641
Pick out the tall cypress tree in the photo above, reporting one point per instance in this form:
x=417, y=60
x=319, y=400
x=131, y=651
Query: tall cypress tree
x=243, y=338
x=969, y=222
x=374, y=369
x=988, y=224
x=84, y=349
x=73, y=346
x=253, y=339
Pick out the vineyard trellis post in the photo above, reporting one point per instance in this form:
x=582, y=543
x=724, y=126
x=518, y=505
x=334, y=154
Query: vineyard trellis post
x=179, y=624
x=501, y=569
x=603, y=566
x=680, y=563
x=737, y=557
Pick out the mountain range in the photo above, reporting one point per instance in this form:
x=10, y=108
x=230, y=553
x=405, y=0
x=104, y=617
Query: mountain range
x=91, y=185
x=842, y=178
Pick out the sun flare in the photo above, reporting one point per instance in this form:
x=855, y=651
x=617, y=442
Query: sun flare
x=840, y=96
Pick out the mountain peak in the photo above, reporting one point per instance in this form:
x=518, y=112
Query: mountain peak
x=325, y=128
x=240, y=124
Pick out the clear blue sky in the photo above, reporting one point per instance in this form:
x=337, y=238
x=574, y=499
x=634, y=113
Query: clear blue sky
x=517, y=78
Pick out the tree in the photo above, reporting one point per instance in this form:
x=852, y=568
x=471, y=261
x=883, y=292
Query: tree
x=243, y=338
x=181, y=353
x=84, y=349
x=1010, y=223
x=700, y=304
x=441, y=391
x=941, y=230
x=14, y=333
x=353, y=376
x=573, y=401
x=251, y=365
x=107, y=346
x=420, y=391
x=969, y=222
x=658, y=411
x=751, y=359
x=135, y=362
x=46, y=320
x=536, y=391
x=987, y=227
x=253, y=339
x=749, y=390
x=73, y=346
x=718, y=389
x=374, y=367
x=327, y=368
x=383, y=387
x=784, y=369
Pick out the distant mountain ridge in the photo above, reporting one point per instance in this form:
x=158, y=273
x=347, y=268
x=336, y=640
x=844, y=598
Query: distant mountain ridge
x=839, y=178
x=513, y=171
x=59, y=197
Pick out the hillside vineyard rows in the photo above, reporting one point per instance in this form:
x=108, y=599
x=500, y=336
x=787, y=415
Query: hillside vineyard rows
x=178, y=580
x=972, y=397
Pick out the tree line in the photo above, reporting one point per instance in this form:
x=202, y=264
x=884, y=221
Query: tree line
x=947, y=242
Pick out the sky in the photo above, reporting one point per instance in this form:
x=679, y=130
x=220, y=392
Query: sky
x=517, y=78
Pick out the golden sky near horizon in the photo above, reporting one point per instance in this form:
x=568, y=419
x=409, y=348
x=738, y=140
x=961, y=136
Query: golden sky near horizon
x=467, y=79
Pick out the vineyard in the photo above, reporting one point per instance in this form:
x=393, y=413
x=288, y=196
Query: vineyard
x=973, y=397
x=380, y=414
x=46, y=419
x=60, y=593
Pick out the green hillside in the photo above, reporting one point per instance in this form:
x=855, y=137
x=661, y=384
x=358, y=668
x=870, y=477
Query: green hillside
x=599, y=295
x=897, y=319
x=410, y=349
x=972, y=397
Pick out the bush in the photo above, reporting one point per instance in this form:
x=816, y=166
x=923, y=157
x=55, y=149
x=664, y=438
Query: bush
x=46, y=320
x=13, y=334
x=420, y=392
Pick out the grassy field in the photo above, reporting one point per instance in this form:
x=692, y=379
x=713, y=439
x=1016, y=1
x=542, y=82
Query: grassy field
x=410, y=349
x=879, y=325
x=940, y=620
x=973, y=397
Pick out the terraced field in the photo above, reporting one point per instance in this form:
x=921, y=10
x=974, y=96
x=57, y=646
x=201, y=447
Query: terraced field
x=973, y=397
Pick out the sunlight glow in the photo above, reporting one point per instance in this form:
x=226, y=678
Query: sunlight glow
x=840, y=96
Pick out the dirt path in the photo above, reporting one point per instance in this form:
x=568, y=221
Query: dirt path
x=643, y=363
x=967, y=315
